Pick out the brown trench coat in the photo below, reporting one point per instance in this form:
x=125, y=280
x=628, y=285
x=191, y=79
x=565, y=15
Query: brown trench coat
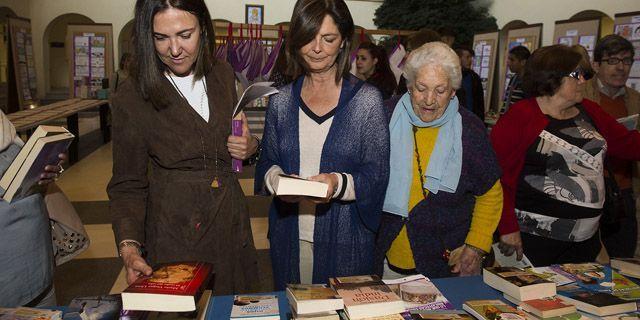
x=160, y=193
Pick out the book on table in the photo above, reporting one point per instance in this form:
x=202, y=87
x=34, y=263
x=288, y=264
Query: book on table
x=366, y=296
x=493, y=309
x=43, y=147
x=258, y=307
x=419, y=293
x=543, y=307
x=597, y=303
x=326, y=315
x=102, y=307
x=173, y=287
x=313, y=298
x=627, y=266
x=440, y=315
x=289, y=185
x=23, y=313
x=550, y=274
x=601, y=278
x=518, y=283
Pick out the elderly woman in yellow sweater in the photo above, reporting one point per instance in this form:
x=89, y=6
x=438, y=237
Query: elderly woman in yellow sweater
x=444, y=198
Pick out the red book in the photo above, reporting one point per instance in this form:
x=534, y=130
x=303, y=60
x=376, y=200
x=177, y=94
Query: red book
x=173, y=287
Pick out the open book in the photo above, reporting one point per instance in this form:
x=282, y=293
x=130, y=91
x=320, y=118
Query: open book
x=41, y=149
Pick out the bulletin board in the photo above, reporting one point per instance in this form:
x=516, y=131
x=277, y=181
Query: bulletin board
x=485, y=46
x=24, y=67
x=529, y=37
x=628, y=26
x=585, y=33
x=90, y=52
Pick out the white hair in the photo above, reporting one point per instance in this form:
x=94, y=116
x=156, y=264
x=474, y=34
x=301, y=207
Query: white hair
x=434, y=54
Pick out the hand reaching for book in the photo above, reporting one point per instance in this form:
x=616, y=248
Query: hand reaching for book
x=242, y=147
x=510, y=243
x=52, y=172
x=135, y=265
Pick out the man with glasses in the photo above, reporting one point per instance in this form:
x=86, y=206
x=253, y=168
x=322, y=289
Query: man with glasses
x=613, y=58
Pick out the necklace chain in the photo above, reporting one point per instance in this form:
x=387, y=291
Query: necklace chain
x=446, y=253
x=215, y=138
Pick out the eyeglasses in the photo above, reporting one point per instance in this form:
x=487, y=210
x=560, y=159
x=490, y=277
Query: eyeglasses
x=576, y=74
x=614, y=61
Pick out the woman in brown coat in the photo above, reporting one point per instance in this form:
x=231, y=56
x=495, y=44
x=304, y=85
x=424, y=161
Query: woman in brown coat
x=173, y=194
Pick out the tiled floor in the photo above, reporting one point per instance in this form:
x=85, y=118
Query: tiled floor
x=98, y=270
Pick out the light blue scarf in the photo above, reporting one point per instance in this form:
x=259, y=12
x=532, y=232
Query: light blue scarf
x=445, y=163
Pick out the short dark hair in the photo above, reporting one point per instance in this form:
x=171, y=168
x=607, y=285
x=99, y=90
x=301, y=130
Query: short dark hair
x=420, y=37
x=520, y=52
x=545, y=69
x=306, y=20
x=462, y=48
x=148, y=68
x=446, y=32
x=611, y=45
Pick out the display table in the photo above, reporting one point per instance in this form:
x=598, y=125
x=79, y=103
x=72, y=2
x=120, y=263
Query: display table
x=456, y=290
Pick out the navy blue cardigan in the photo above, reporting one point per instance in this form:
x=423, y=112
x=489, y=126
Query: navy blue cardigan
x=444, y=215
x=358, y=144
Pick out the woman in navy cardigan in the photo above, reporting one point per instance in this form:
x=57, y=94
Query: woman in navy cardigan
x=327, y=126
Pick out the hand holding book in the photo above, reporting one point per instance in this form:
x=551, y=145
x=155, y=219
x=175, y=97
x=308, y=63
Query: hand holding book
x=52, y=172
x=242, y=146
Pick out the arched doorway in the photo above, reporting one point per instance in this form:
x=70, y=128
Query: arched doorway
x=606, y=22
x=125, y=40
x=56, y=64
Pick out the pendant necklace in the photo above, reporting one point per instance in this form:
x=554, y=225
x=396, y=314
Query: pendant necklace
x=215, y=183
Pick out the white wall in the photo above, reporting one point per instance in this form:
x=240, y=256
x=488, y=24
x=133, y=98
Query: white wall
x=548, y=12
x=119, y=12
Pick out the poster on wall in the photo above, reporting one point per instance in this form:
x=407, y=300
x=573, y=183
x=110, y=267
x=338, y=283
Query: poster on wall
x=484, y=46
x=92, y=56
x=23, y=62
x=627, y=25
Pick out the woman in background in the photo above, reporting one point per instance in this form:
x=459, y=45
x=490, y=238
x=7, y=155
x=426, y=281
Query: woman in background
x=372, y=65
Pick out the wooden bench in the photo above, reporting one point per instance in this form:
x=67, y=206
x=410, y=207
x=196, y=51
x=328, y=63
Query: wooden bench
x=27, y=120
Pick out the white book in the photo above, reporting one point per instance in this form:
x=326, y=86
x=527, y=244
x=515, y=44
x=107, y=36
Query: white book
x=307, y=299
x=518, y=283
x=42, y=149
x=262, y=307
x=510, y=261
x=296, y=186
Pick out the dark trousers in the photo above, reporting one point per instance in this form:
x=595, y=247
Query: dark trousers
x=620, y=238
x=543, y=251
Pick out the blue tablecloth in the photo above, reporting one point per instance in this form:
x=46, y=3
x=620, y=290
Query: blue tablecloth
x=457, y=290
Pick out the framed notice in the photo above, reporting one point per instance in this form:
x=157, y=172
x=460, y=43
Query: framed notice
x=529, y=37
x=582, y=32
x=485, y=46
x=24, y=67
x=254, y=14
x=627, y=25
x=90, y=52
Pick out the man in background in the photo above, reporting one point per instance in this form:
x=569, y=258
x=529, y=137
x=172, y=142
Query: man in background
x=612, y=61
x=518, y=56
x=470, y=94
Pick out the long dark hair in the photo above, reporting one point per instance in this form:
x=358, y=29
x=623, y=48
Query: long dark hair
x=148, y=69
x=306, y=20
x=382, y=77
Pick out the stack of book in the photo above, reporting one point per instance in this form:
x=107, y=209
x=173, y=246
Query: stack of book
x=518, y=284
x=366, y=297
x=29, y=314
x=172, y=287
x=314, y=301
x=259, y=307
x=627, y=266
x=597, y=289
